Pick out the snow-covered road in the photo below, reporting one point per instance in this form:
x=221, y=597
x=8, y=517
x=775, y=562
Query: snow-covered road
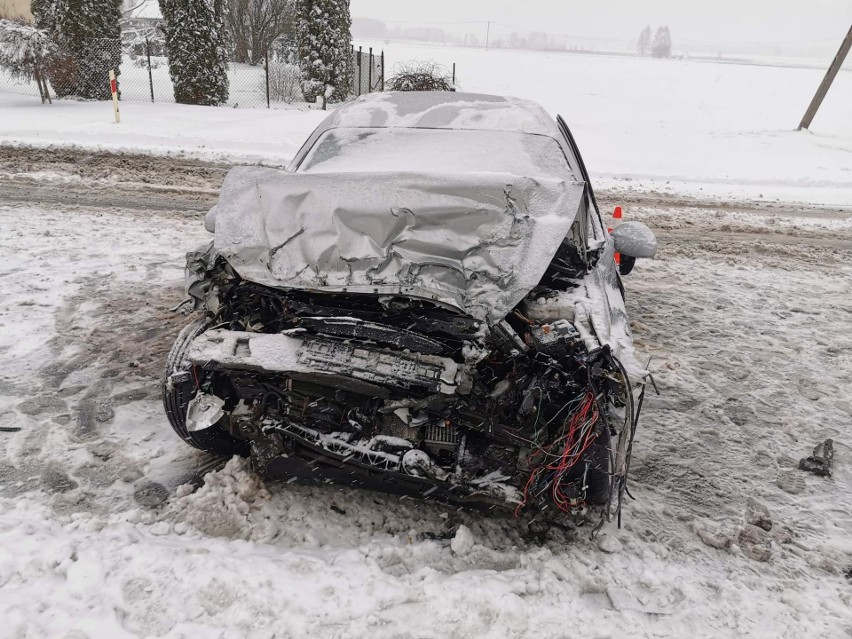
x=111, y=527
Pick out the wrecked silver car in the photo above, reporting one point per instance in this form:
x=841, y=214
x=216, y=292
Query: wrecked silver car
x=426, y=301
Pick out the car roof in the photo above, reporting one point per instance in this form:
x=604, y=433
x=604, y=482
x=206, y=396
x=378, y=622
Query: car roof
x=443, y=110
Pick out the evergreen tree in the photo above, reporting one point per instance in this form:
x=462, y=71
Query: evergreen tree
x=662, y=47
x=88, y=37
x=24, y=50
x=644, y=43
x=324, y=41
x=195, y=43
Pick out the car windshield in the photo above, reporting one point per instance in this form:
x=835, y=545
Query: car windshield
x=436, y=150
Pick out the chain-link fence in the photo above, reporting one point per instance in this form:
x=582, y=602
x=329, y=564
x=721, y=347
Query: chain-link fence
x=142, y=69
x=369, y=71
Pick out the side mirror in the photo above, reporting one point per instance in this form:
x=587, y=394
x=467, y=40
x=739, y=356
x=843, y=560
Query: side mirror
x=634, y=239
x=210, y=219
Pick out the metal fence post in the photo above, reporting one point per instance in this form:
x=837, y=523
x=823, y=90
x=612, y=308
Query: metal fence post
x=370, y=73
x=266, y=68
x=360, y=69
x=150, y=76
x=383, y=69
x=454, y=74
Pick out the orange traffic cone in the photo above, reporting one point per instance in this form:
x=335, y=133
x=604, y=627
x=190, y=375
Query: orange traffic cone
x=616, y=215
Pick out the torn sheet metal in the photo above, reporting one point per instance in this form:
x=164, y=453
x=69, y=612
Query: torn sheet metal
x=477, y=242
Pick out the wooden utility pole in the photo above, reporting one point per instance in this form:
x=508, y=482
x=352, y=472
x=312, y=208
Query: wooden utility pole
x=487, y=34
x=826, y=81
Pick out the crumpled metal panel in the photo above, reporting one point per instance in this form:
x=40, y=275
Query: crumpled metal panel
x=476, y=241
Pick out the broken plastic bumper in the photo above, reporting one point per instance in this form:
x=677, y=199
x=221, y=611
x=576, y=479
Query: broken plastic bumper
x=280, y=353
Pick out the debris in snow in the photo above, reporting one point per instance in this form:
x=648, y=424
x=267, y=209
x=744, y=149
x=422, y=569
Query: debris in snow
x=609, y=543
x=821, y=461
x=463, y=541
x=758, y=515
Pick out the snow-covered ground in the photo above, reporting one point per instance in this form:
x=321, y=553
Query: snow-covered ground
x=107, y=528
x=111, y=527
x=209, y=133
x=695, y=126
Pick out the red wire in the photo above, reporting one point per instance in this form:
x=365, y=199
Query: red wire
x=580, y=418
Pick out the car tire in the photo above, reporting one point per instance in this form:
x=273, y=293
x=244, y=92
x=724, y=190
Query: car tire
x=177, y=395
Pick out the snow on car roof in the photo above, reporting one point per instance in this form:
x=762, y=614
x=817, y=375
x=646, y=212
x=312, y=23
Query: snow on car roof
x=444, y=110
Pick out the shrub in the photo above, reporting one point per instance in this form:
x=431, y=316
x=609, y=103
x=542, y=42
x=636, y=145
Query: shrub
x=420, y=76
x=285, y=82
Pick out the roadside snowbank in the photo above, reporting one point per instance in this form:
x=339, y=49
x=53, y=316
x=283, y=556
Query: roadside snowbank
x=207, y=133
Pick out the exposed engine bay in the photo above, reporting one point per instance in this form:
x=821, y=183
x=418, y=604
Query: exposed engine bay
x=403, y=394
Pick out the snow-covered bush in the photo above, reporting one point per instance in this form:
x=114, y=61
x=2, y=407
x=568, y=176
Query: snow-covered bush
x=285, y=82
x=88, y=38
x=324, y=40
x=420, y=76
x=195, y=42
x=24, y=51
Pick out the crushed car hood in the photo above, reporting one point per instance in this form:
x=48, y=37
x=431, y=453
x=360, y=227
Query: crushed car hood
x=478, y=242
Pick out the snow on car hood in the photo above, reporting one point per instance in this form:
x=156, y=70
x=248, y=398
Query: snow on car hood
x=476, y=241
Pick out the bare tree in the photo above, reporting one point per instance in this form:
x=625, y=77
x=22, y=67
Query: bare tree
x=643, y=46
x=255, y=24
x=662, y=47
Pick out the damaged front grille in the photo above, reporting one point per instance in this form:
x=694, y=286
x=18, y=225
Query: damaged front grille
x=407, y=393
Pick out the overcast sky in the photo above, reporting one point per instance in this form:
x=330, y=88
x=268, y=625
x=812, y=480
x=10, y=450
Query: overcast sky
x=772, y=22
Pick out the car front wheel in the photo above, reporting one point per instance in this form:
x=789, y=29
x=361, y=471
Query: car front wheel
x=180, y=386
